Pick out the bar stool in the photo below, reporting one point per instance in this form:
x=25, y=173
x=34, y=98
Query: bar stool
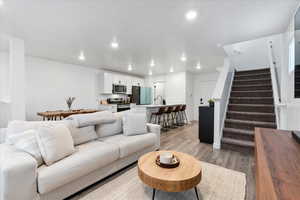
x=183, y=117
x=176, y=116
x=164, y=119
x=170, y=116
x=157, y=116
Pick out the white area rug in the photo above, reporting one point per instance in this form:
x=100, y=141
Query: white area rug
x=217, y=183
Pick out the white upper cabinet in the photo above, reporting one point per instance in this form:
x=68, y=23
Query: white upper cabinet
x=137, y=81
x=128, y=84
x=119, y=79
x=105, y=83
x=107, y=79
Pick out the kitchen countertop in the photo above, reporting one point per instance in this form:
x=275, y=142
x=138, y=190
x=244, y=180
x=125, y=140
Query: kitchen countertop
x=158, y=106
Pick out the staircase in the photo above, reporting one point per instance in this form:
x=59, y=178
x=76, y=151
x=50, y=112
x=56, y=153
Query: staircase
x=250, y=105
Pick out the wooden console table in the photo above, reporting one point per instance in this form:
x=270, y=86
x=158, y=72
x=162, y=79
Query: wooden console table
x=60, y=114
x=277, y=165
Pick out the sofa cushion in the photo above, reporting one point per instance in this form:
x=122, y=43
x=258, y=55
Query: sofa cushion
x=79, y=135
x=131, y=144
x=17, y=127
x=92, y=119
x=134, y=123
x=55, y=142
x=27, y=142
x=87, y=158
x=108, y=129
x=83, y=135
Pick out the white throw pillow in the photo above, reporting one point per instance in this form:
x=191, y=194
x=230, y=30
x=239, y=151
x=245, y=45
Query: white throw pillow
x=79, y=135
x=134, y=123
x=16, y=127
x=83, y=135
x=92, y=119
x=109, y=129
x=55, y=142
x=27, y=142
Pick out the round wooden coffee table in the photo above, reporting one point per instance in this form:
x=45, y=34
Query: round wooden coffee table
x=184, y=177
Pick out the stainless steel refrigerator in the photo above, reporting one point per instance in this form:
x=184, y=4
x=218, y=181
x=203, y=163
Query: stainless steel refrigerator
x=141, y=95
x=136, y=93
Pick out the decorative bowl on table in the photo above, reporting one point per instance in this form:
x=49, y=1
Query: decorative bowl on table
x=167, y=161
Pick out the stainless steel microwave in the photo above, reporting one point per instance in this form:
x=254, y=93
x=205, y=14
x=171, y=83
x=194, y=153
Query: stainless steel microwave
x=119, y=89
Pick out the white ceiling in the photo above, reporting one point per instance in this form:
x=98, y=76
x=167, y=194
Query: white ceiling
x=145, y=29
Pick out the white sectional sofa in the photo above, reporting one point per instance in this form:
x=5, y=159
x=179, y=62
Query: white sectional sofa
x=22, y=179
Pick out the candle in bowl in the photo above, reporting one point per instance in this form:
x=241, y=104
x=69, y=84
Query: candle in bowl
x=166, y=157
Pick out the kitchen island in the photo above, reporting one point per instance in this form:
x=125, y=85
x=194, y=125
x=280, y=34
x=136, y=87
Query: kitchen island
x=152, y=108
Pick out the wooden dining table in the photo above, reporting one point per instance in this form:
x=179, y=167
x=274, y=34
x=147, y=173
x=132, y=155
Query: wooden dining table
x=61, y=114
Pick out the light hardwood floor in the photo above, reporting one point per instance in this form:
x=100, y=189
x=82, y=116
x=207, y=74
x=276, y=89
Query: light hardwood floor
x=185, y=139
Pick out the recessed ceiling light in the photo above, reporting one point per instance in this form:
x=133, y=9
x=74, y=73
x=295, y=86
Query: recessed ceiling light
x=183, y=58
x=198, y=66
x=150, y=73
x=191, y=15
x=152, y=63
x=81, y=55
x=129, y=67
x=114, y=44
x=171, y=69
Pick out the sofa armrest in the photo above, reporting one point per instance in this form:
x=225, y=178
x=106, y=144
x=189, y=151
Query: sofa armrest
x=18, y=174
x=154, y=128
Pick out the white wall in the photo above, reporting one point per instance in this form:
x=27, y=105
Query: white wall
x=203, y=87
x=189, y=96
x=5, y=113
x=4, y=66
x=252, y=54
x=49, y=83
x=12, y=75
x=175, y=88
x=17, y=78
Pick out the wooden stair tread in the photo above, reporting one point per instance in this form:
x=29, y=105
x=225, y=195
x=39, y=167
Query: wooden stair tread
x=251, y=91
x=254, y=74
x=250, y=122
x=254, y=70
x=239, y=131
x=238, y=142
x=251, y=113
x=256, y=79
x=252, y=105
x=252, y=85
x=251, y=97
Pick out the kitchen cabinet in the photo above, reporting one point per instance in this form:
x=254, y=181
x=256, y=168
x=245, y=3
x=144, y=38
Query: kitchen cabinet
x=107, y=79
x=119, y=79
x=137, y=82
x=105, y=82
x=128, y=85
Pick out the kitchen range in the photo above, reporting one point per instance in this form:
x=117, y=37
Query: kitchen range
x=115, y=104
x=121, y=103
x=121, y=99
